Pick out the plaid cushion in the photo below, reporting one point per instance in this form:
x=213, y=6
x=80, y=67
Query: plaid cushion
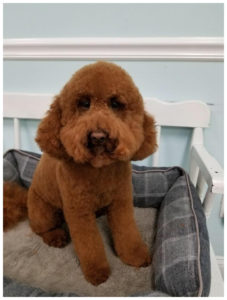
x=181, y=258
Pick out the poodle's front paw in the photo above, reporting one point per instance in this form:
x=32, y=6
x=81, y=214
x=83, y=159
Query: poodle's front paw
x=58, y=238
x=137, y=256
x=97, y=274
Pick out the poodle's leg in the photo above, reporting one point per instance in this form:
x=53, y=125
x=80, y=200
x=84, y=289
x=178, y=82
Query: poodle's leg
x=127, y=239
x=87, y=242
x=45, y=220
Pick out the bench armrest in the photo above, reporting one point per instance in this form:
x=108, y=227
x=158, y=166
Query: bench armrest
x=210, y=169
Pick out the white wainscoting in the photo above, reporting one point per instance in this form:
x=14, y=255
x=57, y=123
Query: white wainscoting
x=147, y=48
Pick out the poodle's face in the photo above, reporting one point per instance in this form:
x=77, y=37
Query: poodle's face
x=98, y=118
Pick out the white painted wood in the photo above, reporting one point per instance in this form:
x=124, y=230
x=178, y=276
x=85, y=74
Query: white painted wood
x=156, y=154
x=197, y=136
x=146, y=48
x=210, y=171
x=16, y=133
x=189, y=113
x=222, y=207
x=209, y=167
x=201, y=186
x=26, y=106
x=193, y=171
x=208, y=202
x=217, y=283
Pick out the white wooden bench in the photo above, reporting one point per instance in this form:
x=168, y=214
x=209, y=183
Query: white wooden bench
x=205, y=172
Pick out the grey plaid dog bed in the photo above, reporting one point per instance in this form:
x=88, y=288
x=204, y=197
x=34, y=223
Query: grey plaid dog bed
x=181, y=258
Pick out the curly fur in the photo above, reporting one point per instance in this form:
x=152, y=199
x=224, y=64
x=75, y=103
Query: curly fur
x=79, y=178
x=14, y=204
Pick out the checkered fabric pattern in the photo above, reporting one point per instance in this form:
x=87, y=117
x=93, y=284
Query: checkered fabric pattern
x=181, y=258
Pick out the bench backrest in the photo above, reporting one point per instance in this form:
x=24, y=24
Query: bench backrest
x=194, y=114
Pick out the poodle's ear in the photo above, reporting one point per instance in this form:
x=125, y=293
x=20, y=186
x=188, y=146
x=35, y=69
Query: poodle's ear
x=149, y=144
x=48, y=132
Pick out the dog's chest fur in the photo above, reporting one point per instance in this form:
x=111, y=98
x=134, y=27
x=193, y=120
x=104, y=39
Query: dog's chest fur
x=97, y=186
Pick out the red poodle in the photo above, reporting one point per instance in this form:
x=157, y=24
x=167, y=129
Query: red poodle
x=93, y=129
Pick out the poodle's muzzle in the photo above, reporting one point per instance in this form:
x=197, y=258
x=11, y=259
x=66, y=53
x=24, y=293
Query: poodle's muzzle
x=99, y=141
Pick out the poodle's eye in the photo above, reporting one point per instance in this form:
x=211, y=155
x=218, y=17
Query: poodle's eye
x=115, y=103
x=84, y=102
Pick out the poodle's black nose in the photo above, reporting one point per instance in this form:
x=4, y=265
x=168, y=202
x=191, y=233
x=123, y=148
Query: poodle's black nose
x=98, y=137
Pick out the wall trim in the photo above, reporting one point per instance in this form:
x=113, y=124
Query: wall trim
x=155, y=48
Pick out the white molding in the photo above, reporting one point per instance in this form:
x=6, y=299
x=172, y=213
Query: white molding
x=157, y=48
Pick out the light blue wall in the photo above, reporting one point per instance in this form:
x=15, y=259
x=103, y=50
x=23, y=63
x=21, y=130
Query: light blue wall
x=60, y=20
x=171, y=81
